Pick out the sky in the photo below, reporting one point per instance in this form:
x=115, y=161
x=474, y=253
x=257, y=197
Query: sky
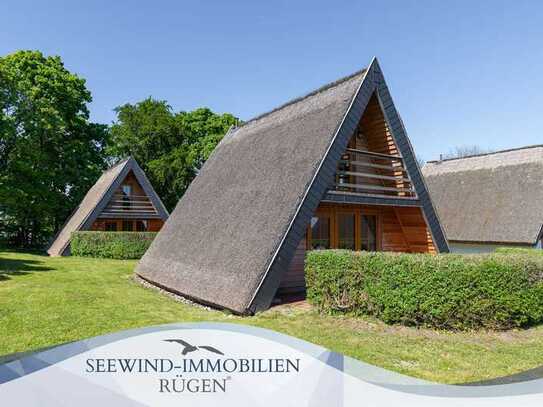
x=460, y=72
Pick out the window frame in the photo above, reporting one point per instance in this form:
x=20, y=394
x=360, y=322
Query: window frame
x=127, y=186
x=378, y=235
x=339, y=212
x=331, y=227
x=333, y=213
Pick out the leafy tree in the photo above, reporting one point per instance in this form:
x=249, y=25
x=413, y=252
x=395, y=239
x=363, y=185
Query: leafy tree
x=170, y=147
x=50, y=154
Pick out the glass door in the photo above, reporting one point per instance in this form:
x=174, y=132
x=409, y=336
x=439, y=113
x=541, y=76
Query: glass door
x=347, y=227
x=346, y=230
x=368, y=233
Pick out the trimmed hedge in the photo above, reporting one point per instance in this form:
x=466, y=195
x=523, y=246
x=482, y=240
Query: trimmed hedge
x=519, y=250
x=494, y=291
x=111, y=245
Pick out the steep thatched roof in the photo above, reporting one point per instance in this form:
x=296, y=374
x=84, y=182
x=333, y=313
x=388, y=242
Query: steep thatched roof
x=232, y=235
x=496, y=197
x=96, y=199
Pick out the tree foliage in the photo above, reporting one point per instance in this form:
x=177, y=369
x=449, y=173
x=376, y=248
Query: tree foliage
x=50, y=154
x=170, y=147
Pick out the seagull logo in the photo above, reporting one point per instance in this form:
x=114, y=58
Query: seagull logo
x=187, y=347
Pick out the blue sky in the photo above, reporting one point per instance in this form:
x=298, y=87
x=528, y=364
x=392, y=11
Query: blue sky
x=466, y=73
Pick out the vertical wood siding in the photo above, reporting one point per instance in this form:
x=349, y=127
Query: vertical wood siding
x=294, y=278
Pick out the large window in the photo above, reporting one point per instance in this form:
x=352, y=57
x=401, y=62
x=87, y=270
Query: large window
x=346, y=227
x=369, y=233
x=346, y=231
x=320, y=232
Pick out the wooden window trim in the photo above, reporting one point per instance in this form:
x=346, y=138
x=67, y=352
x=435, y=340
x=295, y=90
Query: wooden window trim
x=333, y=211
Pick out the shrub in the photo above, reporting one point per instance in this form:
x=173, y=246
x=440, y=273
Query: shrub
x=111, y=245
x=494, y=291
x=519, y=250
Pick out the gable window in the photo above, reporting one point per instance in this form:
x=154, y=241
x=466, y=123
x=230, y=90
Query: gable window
x=111, y=226
x=127, y=190
x=369, y=233
x=320, y=232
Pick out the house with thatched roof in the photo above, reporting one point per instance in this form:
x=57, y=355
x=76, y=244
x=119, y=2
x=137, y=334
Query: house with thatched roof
x=121, y=200
x=332, y=169
x=489, y=200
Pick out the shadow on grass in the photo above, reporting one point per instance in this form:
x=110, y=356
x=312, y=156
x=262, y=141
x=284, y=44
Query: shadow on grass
x=11, y=267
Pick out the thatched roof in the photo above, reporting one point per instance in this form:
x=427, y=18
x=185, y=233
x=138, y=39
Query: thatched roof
x=97, y=198
x=493, y=198
x=232, y=235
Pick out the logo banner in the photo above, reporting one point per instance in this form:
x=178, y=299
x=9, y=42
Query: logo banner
x=207, y=364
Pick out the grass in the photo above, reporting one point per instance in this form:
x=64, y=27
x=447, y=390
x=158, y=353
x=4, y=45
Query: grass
x=46, y=301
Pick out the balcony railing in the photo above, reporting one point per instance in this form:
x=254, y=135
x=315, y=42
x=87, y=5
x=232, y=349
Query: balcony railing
x=129, y=205
x=369, y=173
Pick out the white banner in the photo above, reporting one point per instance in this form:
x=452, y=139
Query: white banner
x=230, y=365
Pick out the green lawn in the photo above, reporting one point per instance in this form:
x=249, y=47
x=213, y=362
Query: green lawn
x=46, y=301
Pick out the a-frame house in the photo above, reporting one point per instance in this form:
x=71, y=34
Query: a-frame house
x=121, y=200
x=332, y=169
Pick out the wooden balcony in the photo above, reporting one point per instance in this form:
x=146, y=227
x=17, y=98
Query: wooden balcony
x=369, y=173
x=122, y=206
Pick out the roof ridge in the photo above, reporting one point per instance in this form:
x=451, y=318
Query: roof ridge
x=303, y=97
x=508, y=150
x=119, y=162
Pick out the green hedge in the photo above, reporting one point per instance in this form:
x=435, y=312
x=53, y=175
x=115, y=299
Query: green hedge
x=519, y=250
x=494, y=291
x=111, y=245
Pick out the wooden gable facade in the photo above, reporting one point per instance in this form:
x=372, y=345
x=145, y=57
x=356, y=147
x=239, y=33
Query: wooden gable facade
x=122, y=199
x=129, y=209
x=371, y=168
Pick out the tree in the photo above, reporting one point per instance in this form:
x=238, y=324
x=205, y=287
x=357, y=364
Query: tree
x=50, y=154
x=465, y=151
x=170, y=147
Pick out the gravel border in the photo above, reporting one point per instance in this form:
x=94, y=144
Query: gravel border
x=173, y=296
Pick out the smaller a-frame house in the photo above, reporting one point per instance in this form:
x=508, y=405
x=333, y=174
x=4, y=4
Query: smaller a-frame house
x=332, y=169
x=121, y=200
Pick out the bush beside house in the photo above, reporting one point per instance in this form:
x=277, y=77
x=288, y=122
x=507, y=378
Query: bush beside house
x=520, y=251
x=494, y=291
x=111, y=245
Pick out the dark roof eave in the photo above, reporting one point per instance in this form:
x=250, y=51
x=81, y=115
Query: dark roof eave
x=491, y=242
